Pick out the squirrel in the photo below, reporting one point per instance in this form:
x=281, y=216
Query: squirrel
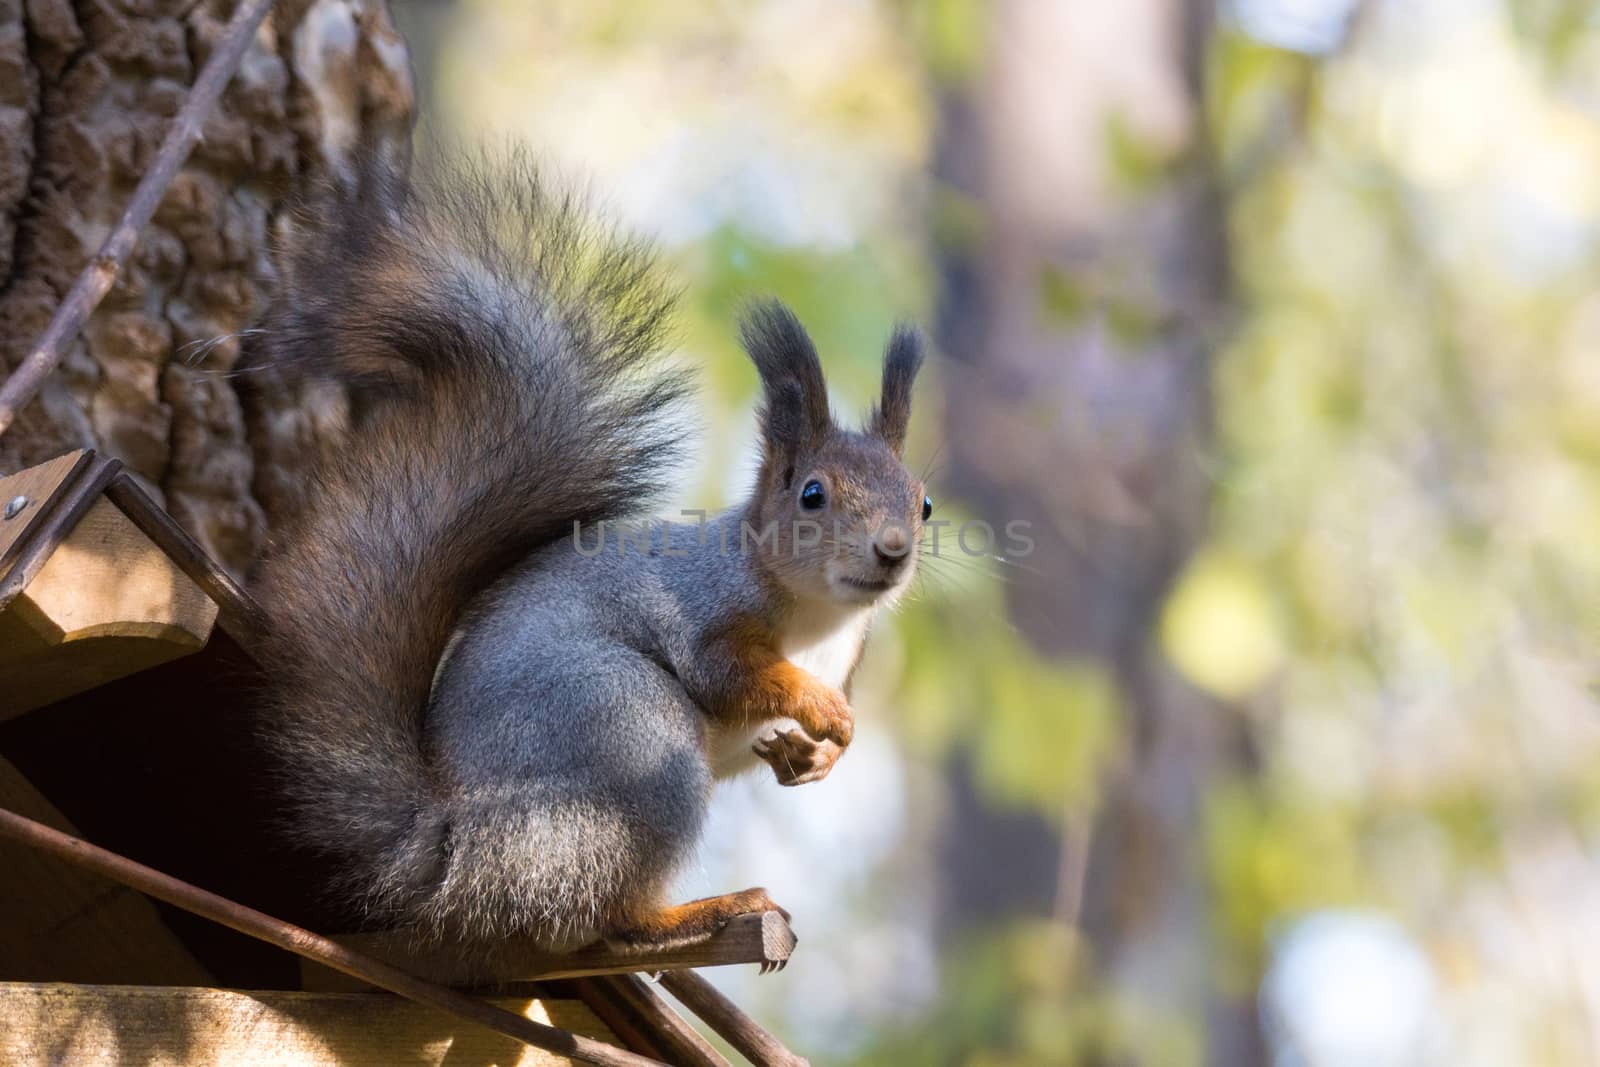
x=499, y=697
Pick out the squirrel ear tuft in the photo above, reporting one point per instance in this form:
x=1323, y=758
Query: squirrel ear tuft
x=796, y=409
x=901, y=362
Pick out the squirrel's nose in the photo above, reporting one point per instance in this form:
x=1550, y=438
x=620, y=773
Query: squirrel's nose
x=889, y=547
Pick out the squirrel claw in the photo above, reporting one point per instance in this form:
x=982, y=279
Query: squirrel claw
x=797, y=758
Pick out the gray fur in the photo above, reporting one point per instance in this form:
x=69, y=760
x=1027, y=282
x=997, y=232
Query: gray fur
x=607, y=748
x=492, y=735
x=500, y=349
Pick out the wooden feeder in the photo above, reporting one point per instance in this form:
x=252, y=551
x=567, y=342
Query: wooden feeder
x=95, y=599
x=126, y=718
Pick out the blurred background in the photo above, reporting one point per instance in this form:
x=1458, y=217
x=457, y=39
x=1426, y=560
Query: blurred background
x=1278, y=322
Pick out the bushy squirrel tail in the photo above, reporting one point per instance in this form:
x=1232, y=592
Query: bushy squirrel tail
x=501, y=353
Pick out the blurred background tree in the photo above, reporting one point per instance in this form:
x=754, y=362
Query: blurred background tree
x=1275, y=320
x=1080, y=294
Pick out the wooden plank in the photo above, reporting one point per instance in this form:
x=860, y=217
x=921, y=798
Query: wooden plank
x=107, y=602
x=43, y=1025
x=56, y=922
x=764, y=939
x=108, y=578
x=241, y=615
x=58, y=514
x=36, y=487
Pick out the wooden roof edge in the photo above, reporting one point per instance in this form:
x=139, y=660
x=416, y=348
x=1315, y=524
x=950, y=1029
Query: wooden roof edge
x=241, y=616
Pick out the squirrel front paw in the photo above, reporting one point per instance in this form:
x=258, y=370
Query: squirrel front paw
x=824, y=713
x=797, y=759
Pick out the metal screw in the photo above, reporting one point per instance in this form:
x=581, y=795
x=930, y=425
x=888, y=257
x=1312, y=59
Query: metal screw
x=15, y=505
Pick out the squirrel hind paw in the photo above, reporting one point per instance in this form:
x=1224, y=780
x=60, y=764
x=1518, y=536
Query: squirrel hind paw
x=681, y=925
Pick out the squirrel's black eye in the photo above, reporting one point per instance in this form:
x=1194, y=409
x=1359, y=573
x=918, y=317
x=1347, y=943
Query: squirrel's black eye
x=927, y=508
x=812, y=497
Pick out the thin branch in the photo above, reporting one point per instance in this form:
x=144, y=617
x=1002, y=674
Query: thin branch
x=312, y=946
x=725, y=1018
x=98, y=275
x=683, y=1042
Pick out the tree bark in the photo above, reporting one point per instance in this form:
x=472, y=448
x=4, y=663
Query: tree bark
x=86, y=89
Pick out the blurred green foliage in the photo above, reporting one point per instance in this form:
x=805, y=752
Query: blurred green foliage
x=1395, y=598
x=1415, y=255
x=1028, y=994
x=849, y=299
x=953, y=36
x=971, y=681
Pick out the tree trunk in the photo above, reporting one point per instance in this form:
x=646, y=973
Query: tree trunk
x=86, y=89
x=1078, y=317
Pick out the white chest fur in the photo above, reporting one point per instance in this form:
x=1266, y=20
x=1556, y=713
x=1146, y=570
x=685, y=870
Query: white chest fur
x=825, y=640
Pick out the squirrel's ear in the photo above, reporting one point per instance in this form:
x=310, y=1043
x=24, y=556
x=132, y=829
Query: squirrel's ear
x=900, y=365
x=795, y=414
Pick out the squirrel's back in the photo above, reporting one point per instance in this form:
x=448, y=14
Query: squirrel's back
x=501, y=352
